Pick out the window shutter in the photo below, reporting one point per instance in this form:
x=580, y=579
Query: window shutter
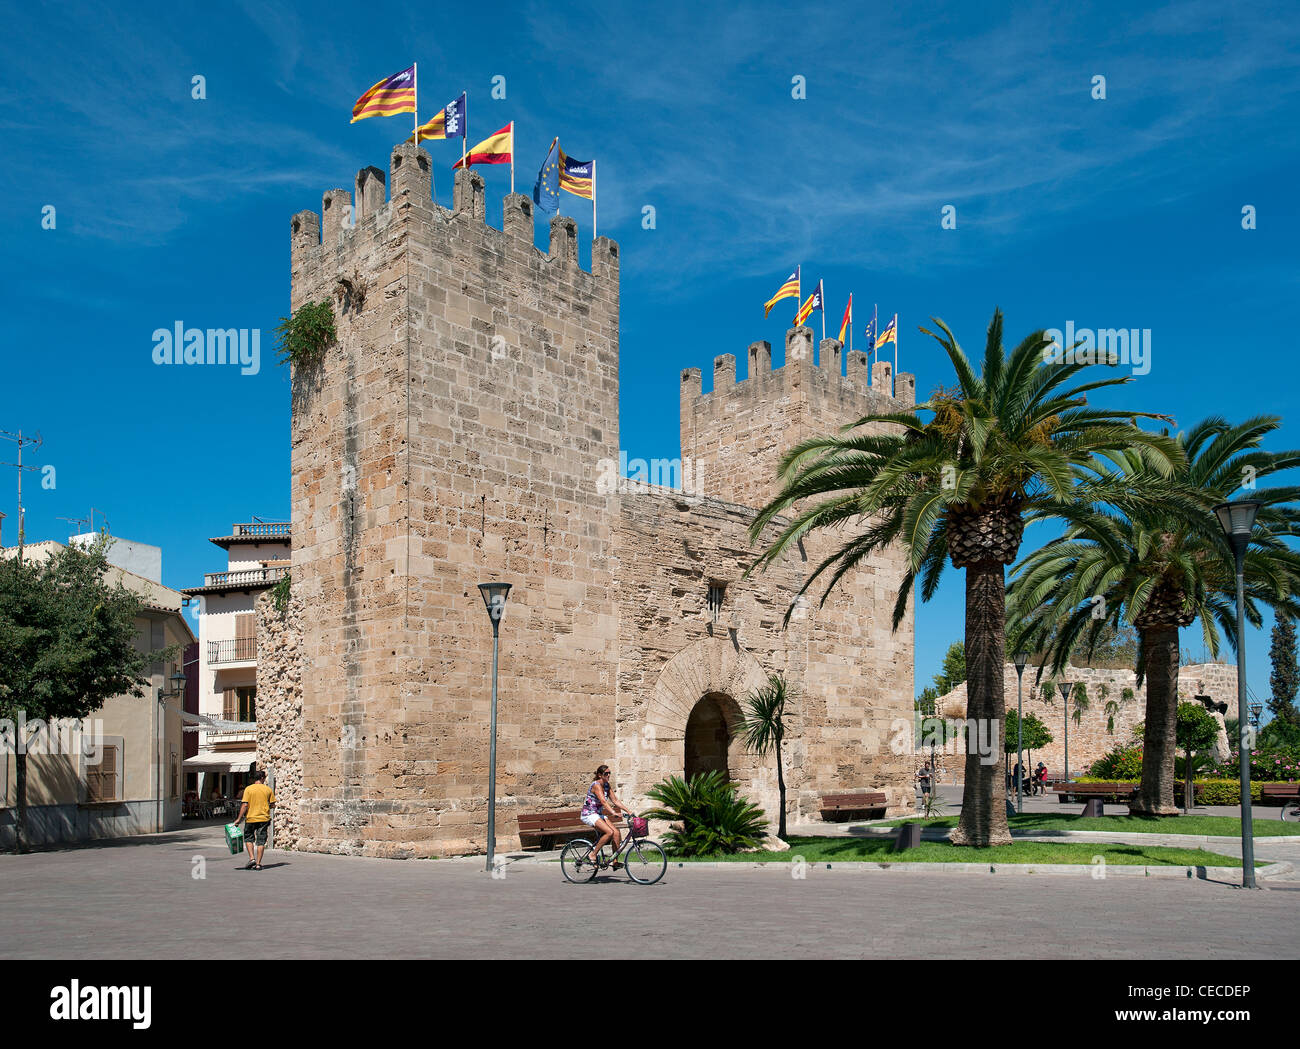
x=108, y=774
x=246, y=635
x=230, y=709
x=94, y=788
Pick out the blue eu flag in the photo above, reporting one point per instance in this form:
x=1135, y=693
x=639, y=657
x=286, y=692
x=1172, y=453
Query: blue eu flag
x=546, y=191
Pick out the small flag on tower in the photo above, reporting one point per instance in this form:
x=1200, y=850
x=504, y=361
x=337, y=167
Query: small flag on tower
x=576, y=176
x=890, y=334
x=498, y=148
x=389, y=97
x=871, y=332
x=788, y=290
x=848, y=319
x=449, y=123
x=814, y=302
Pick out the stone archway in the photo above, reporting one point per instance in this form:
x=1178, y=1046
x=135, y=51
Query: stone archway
x=652, y=731
x=710, y=734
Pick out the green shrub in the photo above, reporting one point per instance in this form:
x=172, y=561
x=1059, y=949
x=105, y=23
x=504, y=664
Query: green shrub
x=1207, y=791
x=1122, y=763
x=709, y=816
x=280, y=594
x=304, y=336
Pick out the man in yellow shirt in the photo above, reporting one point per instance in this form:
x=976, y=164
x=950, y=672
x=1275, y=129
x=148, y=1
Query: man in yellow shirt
x=255, y=813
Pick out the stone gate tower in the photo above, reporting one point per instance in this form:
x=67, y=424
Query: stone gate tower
x=457, y=433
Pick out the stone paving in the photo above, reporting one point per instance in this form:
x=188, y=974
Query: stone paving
x=138, y=899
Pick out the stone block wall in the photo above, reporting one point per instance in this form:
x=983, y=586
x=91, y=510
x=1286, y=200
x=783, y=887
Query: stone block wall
x=279, y=710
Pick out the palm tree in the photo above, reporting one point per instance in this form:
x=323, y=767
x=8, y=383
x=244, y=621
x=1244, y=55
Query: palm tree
x=1161, y=567
x=764, y=728
x=1016, y=439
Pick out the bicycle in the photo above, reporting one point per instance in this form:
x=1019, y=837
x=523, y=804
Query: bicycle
x=1290, y=811
x=644, y=860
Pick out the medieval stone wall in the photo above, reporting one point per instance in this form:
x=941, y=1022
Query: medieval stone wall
x=1092, y=737
x=279, y=711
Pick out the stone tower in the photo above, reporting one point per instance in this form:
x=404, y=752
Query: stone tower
x=448, y=439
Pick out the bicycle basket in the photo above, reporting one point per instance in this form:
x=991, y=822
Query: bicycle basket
x=639, y=826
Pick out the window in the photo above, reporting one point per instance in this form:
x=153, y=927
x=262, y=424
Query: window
x=246, y=636
x=245, y=703
x=175, y=775
x=716, y=593
x=104, y=777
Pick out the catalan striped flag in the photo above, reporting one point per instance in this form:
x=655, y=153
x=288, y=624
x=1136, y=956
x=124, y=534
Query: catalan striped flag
x=788, y=290
x=890, y=334
x=497, y=148
x=814, y=302
x=448, y=123
x=389, y=97
x=847, y=322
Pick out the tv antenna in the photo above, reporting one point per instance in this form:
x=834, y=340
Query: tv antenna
x=22, y=442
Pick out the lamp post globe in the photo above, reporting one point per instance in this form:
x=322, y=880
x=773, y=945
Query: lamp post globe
x=1066, y=688
x=494, y=599
x=1020, y=658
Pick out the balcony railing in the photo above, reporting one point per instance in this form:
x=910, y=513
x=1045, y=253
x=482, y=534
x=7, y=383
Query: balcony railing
x=267, y=530
x=239, y=648
x=244, y=576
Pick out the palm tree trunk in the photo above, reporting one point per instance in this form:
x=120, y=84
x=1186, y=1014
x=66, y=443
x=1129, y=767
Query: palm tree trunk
x=780, y=786
x=1154, y=796
x=983, y=819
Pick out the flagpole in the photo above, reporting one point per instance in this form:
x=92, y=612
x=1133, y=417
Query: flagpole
x=894, y=393
x=593, y=200
x=415, y=90
x=464, y=138
x=850, y=322
x=512, y=156
x=821, y=287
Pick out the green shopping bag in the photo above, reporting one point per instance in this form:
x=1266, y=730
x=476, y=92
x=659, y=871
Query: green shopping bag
x=234, y=838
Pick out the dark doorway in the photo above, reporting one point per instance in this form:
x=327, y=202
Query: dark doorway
x=707, y=737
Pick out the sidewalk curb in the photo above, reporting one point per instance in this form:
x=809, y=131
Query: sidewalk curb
x=1112, y=870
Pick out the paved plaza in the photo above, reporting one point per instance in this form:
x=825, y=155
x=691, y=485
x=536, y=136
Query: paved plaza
x=138, y=898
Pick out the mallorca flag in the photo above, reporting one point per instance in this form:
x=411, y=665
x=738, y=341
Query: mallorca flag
x=495, y=149
x=449, y=123
x=848, y=319
x=890, y=334
x=788, y=290
x=814, y=303
x=392, y=95
x=576, y=176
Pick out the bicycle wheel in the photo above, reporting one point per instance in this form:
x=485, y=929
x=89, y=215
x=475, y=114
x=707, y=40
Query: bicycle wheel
x=645, y=862
x=1291, y=811
x=574, y=864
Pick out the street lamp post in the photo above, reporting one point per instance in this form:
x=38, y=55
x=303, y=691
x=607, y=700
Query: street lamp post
x=1021, y=659
x=1237, y=518
x=494, y=597
x=1066, y=687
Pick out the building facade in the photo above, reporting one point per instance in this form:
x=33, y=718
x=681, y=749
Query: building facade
x=257, y=557
x=119, y=771
x=463, y=428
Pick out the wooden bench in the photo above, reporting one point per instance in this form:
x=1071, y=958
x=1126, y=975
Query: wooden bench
x=1279, y=792
x=544, y=828
x=1111, y=791
x=837, y=807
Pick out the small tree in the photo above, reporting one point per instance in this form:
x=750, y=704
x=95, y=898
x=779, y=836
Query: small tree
x=1285, y=678
x=764, y=728
x=1195, y=731
x=953, y=671
x=1033, y=735
x=67, y=645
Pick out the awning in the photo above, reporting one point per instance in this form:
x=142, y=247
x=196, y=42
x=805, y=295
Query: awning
x=234, y=761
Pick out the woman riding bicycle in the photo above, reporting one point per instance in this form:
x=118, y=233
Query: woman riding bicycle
x=601, y=803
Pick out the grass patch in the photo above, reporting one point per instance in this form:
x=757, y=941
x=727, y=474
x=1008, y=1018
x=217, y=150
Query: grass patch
x=1223, y=826
x=850, y=850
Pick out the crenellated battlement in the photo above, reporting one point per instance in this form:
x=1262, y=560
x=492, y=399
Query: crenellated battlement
x=353, y=225
x=738, y=431
x=827, y=371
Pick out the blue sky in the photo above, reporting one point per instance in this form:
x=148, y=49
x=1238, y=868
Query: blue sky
x=1122, y=212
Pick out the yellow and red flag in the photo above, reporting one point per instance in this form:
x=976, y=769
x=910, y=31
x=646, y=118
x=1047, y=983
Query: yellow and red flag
x=788, y=290
x=814, y=303
x=498, y=148
x=848, y=319
x=389, y=97
x=890, y=334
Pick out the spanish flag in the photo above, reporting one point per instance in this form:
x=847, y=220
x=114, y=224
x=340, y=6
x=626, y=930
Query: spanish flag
x=848, y=319
x=389, y=97
x=495, y=149
x=788, y=290
x=890, y=334
x=449, y=123
x=814, y=303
